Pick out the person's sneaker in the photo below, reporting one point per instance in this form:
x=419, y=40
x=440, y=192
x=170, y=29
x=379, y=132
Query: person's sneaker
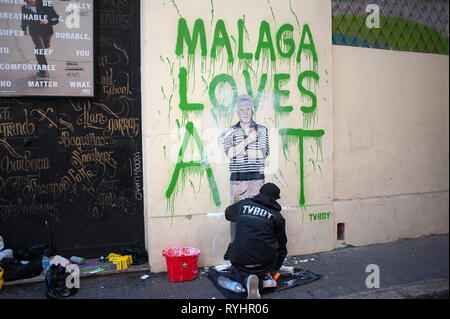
x=42, y=74
x=252, y=287
x=268, y=282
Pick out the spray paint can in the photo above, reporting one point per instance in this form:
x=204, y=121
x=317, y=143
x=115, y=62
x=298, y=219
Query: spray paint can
x=77, y=260
x=287, y=269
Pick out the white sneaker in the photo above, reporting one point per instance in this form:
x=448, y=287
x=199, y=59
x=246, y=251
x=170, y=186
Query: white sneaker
x=252, y=287
x=268, y=282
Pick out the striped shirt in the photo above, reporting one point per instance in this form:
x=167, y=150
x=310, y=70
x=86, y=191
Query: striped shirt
x=243, y=167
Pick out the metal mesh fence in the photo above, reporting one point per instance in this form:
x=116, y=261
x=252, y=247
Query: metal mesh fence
x=404, y=25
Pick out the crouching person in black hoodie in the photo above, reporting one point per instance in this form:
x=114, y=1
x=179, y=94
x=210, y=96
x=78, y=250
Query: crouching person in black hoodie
x=259, y=247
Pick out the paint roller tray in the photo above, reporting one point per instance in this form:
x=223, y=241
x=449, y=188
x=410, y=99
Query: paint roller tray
x=300, y=277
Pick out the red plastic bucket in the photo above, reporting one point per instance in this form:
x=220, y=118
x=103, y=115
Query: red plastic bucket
x=182, y=263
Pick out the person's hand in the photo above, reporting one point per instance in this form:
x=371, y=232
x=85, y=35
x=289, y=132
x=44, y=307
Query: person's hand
x=252, y=137
x=25, y=33
x=44, y=21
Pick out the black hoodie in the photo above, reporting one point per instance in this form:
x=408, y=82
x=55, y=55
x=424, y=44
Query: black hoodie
x=260, y=232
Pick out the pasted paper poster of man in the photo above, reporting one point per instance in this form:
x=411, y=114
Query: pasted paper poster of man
x=246, y=145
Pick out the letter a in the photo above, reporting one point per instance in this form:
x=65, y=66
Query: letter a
x=373, y=280
x=203, y=164
x=373, y=19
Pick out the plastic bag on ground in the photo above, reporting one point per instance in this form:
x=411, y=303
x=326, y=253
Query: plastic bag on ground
x=55, y=281
x=14, y=270
x=31, y=252
x=139, y=255
x=7, y=253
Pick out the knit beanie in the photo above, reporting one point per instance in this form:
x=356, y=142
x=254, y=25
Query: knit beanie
x=270, y=190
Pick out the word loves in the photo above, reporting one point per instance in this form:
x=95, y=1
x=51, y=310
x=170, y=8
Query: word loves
x=319, y=216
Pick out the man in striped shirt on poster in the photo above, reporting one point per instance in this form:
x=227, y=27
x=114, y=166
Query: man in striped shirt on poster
x=246, y=144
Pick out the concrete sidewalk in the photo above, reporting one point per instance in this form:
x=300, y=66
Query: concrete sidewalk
x=409, y=268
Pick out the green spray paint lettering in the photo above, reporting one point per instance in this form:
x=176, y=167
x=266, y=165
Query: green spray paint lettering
x=278, y=93
x=305, y=75
x=221, y=40
x=248, y=84
x=285, y=36
x=223, y=79
x=307, y=46
x=300, y=135
x=203, y=164
x=185, y=36
x=184, y=105
x=265, y=41
x=284, y=39
x=319, y=216
x=241, y=54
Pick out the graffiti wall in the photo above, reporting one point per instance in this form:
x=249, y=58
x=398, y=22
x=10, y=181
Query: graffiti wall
x=203, y=62
x=71, y=168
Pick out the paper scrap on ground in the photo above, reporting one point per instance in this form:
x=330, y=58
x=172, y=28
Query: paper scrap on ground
x=94, y=269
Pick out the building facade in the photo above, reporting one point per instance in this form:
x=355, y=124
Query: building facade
x=354, y=96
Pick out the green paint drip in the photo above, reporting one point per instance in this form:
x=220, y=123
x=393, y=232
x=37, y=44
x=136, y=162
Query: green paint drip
x=212, y=12
x=191, y=167
x=261, y=87
x=273, y=15
x=221, y=40
x=303, y=210
x=188, y=115
x=265, y=48
x=307, y=50
x=177, y=122
x=223, y=95
x=176, y=7
x=166, y=96
x=309, y=112
x=279, y=94
x=286, y=142
x=285, y=43
x=282, y=176
x=279, y=116
x=293, y=13
x=206, y=85
x=184, y=105
x=191, y=71
x=299, y=134
x=192, y=185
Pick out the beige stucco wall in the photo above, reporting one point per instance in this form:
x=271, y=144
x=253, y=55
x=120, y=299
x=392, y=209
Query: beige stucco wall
x=191, y=216
x=391, y=144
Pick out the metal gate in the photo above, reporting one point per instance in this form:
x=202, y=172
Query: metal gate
x=402, y=25
x=71, y=169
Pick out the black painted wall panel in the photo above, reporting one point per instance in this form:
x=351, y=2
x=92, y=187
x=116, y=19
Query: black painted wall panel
x=71, y=169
